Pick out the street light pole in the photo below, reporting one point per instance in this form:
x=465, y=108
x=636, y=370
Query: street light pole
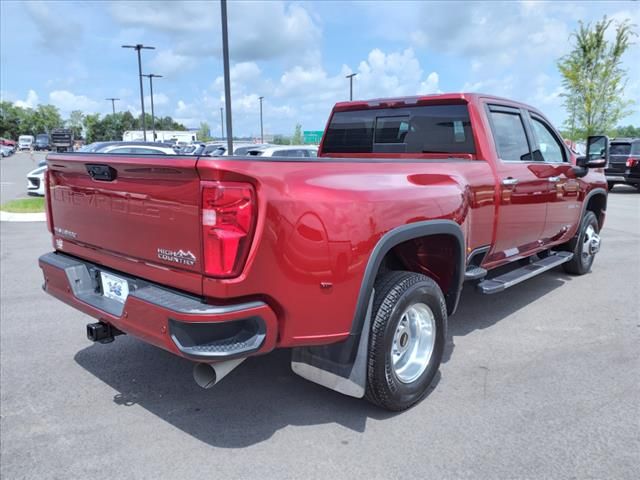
x=261, y=131
x=137, y=47
x=151, y=76
x=227, y=80
x=221, y=123
x=113, y=104
x=350, y=77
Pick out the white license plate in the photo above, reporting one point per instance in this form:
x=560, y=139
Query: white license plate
x=114, y=287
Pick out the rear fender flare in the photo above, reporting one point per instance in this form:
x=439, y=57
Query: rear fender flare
x=397, y=236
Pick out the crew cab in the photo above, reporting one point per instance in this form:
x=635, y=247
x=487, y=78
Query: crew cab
x=354, y=259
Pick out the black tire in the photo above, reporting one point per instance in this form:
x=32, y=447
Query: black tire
x=395, y=291
x=610, y=185
x=579, y=265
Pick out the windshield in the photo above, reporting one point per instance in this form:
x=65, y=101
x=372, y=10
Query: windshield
x=42, y=138
x=25, y=139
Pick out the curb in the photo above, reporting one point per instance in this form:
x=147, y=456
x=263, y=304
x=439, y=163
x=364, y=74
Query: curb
x=22, y=217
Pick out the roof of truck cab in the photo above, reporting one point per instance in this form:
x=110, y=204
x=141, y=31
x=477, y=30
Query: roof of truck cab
x=436, y=98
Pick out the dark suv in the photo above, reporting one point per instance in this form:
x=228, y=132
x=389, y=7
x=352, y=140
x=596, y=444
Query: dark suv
x=624, y=162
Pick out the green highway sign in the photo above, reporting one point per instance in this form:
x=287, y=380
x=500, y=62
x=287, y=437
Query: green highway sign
x=312, y=137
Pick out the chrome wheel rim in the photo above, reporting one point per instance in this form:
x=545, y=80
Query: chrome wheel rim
x=590, y=244
x=413, y=342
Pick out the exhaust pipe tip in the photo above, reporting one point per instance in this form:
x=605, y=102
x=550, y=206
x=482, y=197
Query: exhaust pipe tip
x=206, y=375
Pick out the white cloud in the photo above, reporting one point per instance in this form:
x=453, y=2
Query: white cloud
x=167, y=62
x=380, y=75
x=430, y=85
x=67, y=101
x=242, y=76
x=31, y=101
x=258, y=30
x=306, y=93
x=159, y=99
x=171, y=16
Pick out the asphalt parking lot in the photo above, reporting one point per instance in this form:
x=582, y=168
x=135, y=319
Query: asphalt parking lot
x=542, y=381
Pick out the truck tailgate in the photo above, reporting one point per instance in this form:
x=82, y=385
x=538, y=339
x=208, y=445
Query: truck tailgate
x=139, y=210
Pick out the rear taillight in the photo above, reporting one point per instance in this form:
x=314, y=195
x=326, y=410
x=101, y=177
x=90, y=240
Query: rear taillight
x=228, y=221
x=632, y=162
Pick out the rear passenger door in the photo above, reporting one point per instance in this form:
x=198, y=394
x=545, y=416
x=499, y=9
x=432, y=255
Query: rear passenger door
x=523, y=191
x=563, y=208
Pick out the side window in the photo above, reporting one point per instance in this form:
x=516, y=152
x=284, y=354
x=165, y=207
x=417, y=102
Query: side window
x=121, y=151
x=550, y=148
x=281, y=153
x=510, y=137
x=147, y=151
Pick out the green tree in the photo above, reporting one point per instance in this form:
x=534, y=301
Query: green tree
x=168, y=123
x=74, y=122
x=204, y=133
x=628, y=131
x=9, y=120
x=128, y=122
x=94, y=129
x=594, y=78
x=297, y=135
x=46, y=118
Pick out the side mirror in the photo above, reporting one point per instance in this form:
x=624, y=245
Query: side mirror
x=597, y=152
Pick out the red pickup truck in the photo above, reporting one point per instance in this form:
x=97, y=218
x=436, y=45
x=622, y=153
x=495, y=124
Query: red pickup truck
x=354, y=259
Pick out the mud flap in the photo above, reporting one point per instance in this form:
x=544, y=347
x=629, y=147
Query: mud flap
x=342, y=366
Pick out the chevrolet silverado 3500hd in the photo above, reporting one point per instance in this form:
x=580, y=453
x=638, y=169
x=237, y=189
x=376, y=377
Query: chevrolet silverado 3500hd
x=353, y=259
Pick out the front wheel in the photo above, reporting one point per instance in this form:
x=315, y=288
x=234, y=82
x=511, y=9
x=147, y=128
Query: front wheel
x=407, y=339
x=584, y=246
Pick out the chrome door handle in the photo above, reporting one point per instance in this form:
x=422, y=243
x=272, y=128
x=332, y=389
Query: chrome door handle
x=509, y=181
x=554, y=179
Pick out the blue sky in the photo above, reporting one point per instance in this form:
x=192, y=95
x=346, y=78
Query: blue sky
x=295, y=54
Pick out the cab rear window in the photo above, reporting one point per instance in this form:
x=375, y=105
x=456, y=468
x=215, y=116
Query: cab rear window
x=424, y=129
x=620, y=149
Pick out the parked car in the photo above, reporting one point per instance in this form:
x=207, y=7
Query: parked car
x=101, y=147
x=208, y=149
x=285, y=151
x=42, y=142
x=25, y=142
x=238, y=149
x=192, y=149
x=94, y=147
x=6, y=150
x=8, y=142
x=354, y=259
x=35, y=181
x=138, y=148
x=624, y=162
